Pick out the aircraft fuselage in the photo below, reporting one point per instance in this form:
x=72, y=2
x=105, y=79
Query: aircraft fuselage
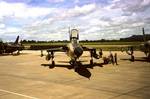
x=75, y=50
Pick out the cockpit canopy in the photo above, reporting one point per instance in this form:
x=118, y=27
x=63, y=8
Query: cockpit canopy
x=74, y=34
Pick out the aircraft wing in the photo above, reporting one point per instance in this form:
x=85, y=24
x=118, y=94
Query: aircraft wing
x=46, y=47
x=92, y=51
x=87, y=48
x=54, y=49
x=58, y=49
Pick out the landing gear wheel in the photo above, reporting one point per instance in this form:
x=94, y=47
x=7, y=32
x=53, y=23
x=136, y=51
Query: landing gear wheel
x=71, y=63
x=132, y=58
x=76, y=69
x=53, y=65
x=148, y=58
x=75, y=66
x=18, y=53
x=91, y=62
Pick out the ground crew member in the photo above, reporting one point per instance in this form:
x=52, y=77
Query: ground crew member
x=111, y=58
x=115, y=58
x=100, y=53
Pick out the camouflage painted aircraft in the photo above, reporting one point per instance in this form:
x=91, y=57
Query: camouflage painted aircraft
x=73, y=49
x=11, y=47
x=145, y=47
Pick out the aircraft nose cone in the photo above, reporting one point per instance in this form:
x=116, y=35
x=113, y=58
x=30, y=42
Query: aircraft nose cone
x=78, y=51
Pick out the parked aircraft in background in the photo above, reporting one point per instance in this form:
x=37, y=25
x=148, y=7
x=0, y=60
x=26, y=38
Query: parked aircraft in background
x=145, y=47
x=11, y=47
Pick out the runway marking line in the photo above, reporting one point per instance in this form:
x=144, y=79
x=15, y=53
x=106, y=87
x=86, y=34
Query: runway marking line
x=18, y=94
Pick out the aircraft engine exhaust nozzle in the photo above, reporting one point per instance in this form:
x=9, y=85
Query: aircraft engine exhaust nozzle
x=78, y=51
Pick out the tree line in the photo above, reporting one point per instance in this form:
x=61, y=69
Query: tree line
x=133, y=38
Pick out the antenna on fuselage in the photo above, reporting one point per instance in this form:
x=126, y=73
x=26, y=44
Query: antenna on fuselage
x=144, y=37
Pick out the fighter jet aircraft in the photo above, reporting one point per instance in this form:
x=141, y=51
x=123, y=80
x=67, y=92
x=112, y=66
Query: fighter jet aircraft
x=73, y=49
x=145, y=47
x=11, y=47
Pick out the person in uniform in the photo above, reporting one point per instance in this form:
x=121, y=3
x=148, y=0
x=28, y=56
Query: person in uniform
x=100, y=53
x=115, y=59
x=111, y=58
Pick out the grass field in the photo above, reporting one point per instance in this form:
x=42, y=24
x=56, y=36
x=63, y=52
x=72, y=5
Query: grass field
x=113, y=46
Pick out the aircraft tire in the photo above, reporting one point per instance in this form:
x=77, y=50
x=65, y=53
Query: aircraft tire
x=132, y=58
x=75, y=70
x=75, y=66
x=148, y=57
x=91, y=62
x=53, y=65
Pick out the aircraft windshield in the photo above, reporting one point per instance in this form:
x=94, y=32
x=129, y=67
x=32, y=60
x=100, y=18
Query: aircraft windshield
x=74, y=41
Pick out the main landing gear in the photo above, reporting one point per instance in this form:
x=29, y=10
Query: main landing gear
x=91, y=60
x=50, y=56
x=75, y=64
x=130, y=52
x=95, y=55
x=18, y=52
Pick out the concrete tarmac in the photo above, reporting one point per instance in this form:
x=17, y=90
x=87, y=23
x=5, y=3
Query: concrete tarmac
x=28, y=76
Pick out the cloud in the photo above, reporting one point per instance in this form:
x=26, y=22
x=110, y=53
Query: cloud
x=55, y=1
x=76, y=11
x=12, y=29
x=20, y=10
x=2, y=26
x=124, y=30
x=131, y=6
x=76, y=1
x=61, y=15
x=50, y=19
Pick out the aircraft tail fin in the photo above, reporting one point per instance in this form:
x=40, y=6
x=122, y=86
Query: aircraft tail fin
x=144, y=37
x=17, y=40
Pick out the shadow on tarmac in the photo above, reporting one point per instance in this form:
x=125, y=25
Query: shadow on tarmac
x=140, y=59
x=82, y=69
x=14, y=54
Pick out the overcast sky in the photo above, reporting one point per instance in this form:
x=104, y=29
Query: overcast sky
x=95, y=19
